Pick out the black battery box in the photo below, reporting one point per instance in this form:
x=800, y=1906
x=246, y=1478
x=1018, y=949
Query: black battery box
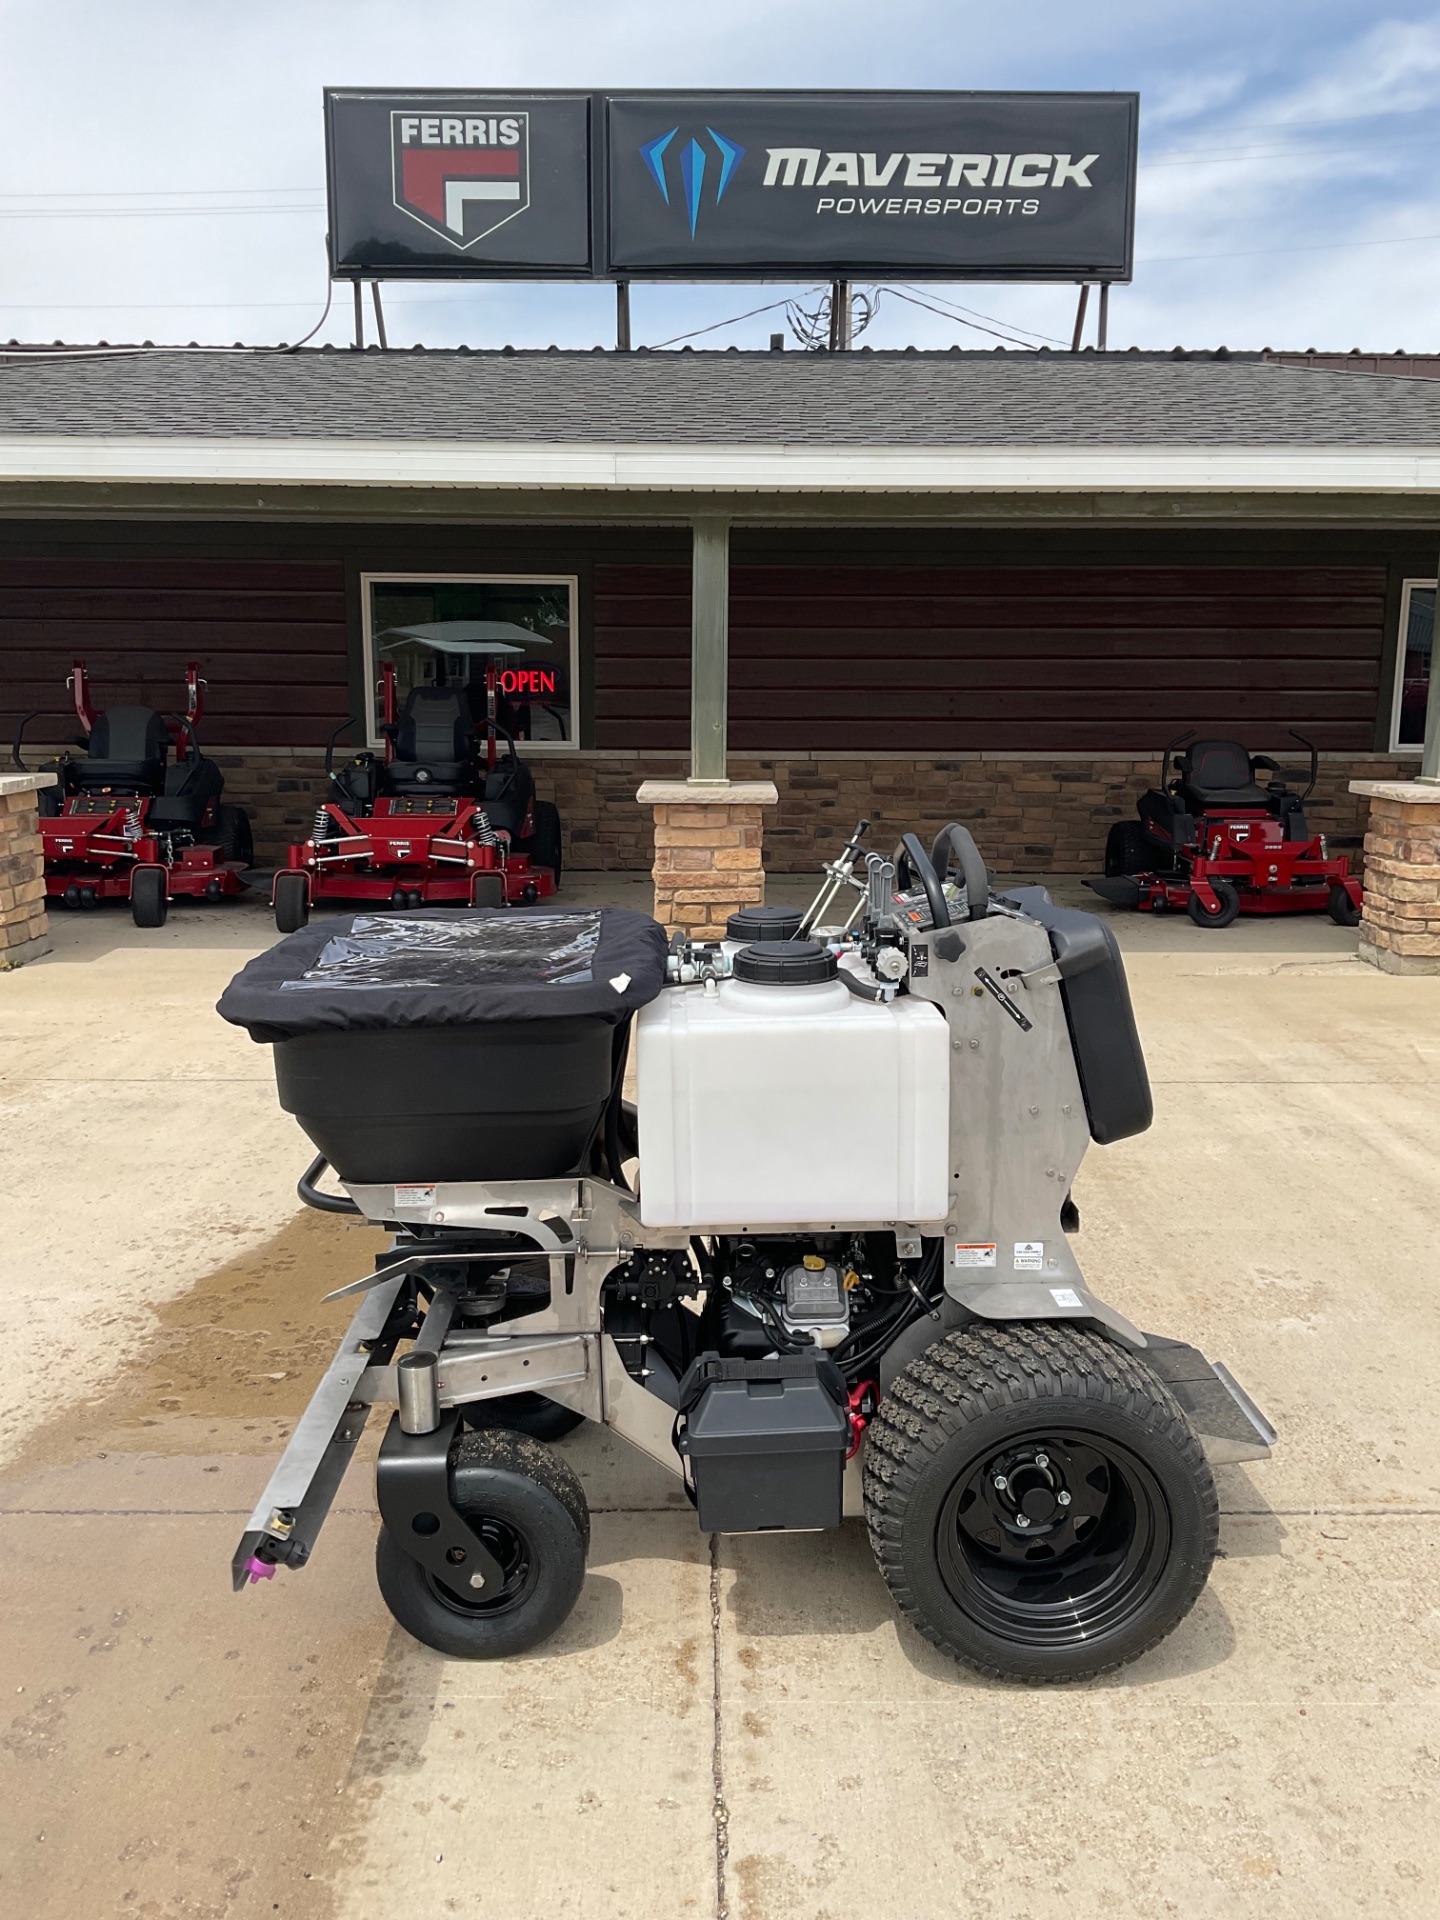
x=766, y=1441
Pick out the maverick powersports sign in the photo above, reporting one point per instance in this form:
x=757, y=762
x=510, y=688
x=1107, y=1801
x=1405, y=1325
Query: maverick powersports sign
x=731, y=186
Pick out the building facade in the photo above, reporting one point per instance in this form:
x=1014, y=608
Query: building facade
x=988, y=587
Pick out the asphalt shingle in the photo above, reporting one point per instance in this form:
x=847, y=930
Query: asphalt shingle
x=718, y=399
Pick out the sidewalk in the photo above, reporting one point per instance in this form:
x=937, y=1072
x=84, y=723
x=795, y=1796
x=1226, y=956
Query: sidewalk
x=739, y=1728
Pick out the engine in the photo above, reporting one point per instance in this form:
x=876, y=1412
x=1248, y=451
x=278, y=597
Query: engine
x=753, y=1298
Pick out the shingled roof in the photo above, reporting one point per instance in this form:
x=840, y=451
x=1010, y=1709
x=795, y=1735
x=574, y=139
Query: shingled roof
x=730, y=399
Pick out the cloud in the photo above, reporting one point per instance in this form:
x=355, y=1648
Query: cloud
x=1304, y=125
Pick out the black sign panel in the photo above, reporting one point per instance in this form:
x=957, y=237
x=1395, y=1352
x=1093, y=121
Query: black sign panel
x=794, y=185
x=468, y=185
x=725, y=186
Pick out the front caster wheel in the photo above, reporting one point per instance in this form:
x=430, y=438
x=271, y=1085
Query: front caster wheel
x=1343, y=910
x=1037, y=1502
x=292, y=902
x=149, y=902
x=528, y=1413
x=1227, y=911
x=529, y=1509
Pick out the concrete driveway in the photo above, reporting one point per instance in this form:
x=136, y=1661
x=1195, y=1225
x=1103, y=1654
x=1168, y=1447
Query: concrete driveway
x=740, y=1727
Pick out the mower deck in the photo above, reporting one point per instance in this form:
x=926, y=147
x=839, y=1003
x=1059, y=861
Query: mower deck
x=414, y=853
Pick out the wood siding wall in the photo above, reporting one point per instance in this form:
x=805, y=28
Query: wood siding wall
x=930, y=660
x=270, y=637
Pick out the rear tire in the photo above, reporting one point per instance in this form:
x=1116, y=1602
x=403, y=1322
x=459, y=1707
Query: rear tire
x=530, y=1510
x=292, y=906
x=1075, y=1587
x=1229, y=909
x=1127, y=851
x=1343, y=910
x=545, y=847
x=149, y=901
x=233, y=836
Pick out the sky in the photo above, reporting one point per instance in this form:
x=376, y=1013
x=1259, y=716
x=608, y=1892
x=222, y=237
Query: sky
x=162, y=164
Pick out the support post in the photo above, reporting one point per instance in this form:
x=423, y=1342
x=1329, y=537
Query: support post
x=840, y=316
x=24, y=928
x=379, y=313
x=1080, y=316
x=622, y=316
x=359, y=314
x=709, y=646
x=1103, y=330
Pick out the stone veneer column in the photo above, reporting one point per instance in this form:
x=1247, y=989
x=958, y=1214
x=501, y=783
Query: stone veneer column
x=708, y=837
x=24, y=929
x=1400, y=928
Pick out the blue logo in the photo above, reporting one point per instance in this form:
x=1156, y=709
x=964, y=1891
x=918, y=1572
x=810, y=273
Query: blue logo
x=693, y=162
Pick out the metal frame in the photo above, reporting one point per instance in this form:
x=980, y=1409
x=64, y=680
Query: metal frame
x=1018, y=1133
x=441, y=577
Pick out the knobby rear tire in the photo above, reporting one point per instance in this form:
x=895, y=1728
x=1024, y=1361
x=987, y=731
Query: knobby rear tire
x=974, y=1397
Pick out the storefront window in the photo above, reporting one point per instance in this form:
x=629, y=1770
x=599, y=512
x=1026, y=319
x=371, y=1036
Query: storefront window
x=1412, y=664
x=445, y=632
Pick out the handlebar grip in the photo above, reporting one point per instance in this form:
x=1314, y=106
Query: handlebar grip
x=961, y=842
x=911, y=856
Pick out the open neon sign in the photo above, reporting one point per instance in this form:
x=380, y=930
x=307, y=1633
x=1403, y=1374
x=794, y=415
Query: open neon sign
x=529, y=682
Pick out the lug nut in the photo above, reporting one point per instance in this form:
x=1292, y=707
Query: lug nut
x=1001, y=1482
x=1022, y=1520
x=1042, y=1459
x=1062, y=1499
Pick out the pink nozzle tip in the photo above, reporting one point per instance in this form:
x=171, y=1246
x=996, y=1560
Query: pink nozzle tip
x=259, y=1569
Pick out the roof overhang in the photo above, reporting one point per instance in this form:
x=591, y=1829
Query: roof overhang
x=835, y=471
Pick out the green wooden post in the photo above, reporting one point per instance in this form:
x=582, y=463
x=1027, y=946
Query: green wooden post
x=709, y=646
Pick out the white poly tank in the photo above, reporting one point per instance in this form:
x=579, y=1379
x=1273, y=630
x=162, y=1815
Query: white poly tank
x=762, y=1106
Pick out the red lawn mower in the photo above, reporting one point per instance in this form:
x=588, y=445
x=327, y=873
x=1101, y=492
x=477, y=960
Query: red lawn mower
x=1214, y=843
x=127, y=822
x=435, y=821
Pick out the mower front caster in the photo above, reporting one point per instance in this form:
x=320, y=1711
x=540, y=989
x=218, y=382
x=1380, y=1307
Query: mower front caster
x=1343, y=910
x=1038, y=1504
x=529, y=1511
x=529, y=1413
x=149, y=903
x=1227, y=911
x=292, y=902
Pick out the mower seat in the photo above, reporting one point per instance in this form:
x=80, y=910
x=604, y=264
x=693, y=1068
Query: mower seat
x=1216, y=774
x=434, y=745
x=127, y=752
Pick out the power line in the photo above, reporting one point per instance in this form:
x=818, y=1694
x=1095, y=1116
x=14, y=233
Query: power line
x=974, y=312
x=1010, y=338
x=733, y=322
x=1255, y=253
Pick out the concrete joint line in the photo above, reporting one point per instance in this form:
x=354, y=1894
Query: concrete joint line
x=717, y=1754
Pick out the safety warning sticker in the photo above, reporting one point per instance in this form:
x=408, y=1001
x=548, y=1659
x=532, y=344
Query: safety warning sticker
x=414, y=1196
x=973, y=1255
x=1029, y=1256
x=1065, y=1297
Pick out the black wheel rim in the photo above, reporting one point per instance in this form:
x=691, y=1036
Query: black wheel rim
x=509, y=1547
x=1056, y=1540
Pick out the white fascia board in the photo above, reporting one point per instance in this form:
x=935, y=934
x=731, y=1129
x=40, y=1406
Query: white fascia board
x=710, y=469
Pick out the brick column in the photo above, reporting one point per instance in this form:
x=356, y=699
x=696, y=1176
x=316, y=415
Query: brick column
x=1400, y=927
x=708, y=837
x=24, y=929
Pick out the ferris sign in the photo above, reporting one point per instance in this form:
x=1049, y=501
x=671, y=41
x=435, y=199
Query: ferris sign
x=732, y=185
